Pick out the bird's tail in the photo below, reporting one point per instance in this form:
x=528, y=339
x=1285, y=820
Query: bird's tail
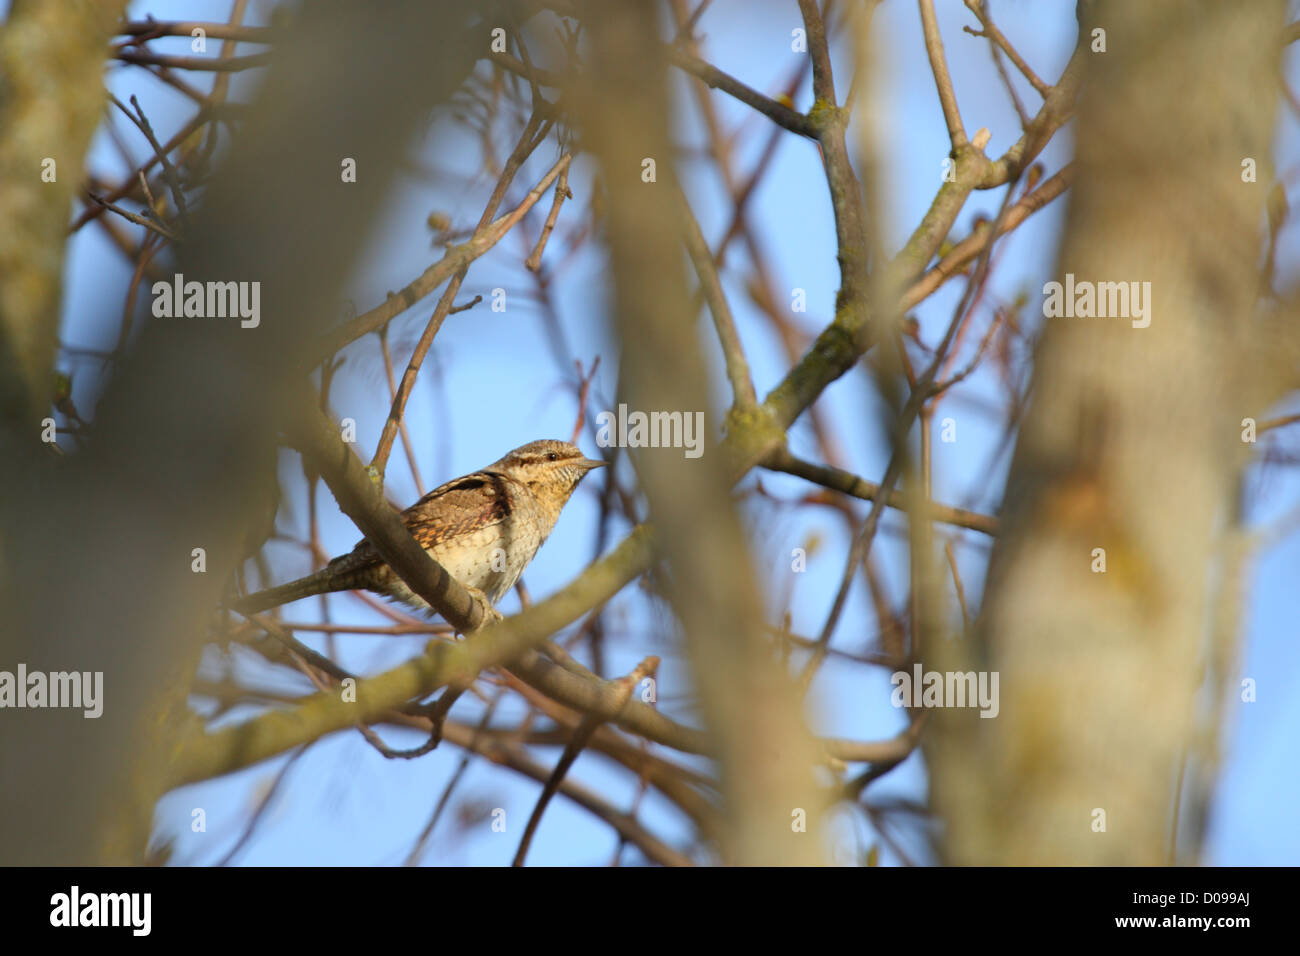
x=322, y=582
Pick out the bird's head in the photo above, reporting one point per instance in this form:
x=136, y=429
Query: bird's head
x=547, y=466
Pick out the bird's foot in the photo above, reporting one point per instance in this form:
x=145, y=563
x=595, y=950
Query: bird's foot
x=490, y=614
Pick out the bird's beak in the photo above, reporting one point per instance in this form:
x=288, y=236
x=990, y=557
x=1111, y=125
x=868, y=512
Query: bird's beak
x=590, y=464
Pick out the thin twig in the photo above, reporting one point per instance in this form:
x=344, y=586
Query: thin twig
x=198, y=120
x=438, y=273
x=584, y=389
x=233, y=64
x=581, y=735
x=778, y=113
x=956, y=582
x=262, y=805
x=939, y=67
x=407, y=448
x=149, y=29
x=169, y=171
x=534, y=260
x=445, y=303
x=413, y=857
x=850, y=484
x=733, y=353
x=962, y=254
x=993, y=33
x=138, y=220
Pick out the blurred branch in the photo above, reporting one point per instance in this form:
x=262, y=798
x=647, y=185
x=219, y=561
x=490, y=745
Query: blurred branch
x=1111, y=533
x=626, y=119
x=51, y=58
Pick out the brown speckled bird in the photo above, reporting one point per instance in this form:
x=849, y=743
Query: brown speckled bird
x=484, y=528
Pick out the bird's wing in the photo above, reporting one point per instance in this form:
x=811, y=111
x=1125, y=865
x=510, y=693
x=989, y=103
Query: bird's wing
x=479, y=500
x=475, y=501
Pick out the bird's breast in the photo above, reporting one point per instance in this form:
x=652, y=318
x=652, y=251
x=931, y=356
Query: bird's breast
x=491, y=558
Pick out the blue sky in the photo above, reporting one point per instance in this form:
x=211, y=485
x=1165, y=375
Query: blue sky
x=342, y=802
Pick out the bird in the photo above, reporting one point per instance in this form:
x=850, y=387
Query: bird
x=484, y=528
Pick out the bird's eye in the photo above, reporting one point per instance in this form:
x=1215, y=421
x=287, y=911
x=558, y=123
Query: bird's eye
x=552, y=456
